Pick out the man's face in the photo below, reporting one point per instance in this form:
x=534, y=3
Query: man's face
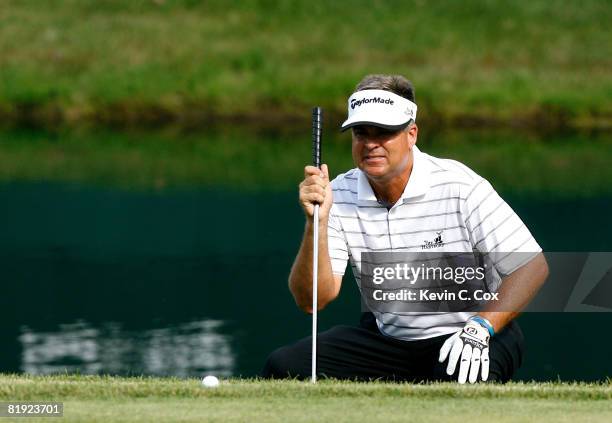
x=383, y=154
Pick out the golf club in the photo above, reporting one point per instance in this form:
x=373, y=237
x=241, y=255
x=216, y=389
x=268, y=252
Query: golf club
x=317, y=129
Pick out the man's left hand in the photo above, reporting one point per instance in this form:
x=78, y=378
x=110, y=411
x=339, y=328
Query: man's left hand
x=471, y=344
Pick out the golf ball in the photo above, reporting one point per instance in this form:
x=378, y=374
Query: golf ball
x=210, y=382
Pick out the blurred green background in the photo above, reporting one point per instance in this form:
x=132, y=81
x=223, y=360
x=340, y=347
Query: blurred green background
x=142, y=62
x=150, y=152
x=148, y=92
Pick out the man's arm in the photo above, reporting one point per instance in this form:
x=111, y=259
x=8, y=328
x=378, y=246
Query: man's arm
x=315, y=189
x=516, y=291
x=495, y=228
x=300, y=279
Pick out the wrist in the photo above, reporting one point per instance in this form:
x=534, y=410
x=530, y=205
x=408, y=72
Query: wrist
x=323, y=217
x=484, y=323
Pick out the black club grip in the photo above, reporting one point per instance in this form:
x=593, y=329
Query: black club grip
x=317, y=132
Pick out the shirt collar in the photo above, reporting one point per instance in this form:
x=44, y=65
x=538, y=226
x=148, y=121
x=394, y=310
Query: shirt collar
x=418, y=182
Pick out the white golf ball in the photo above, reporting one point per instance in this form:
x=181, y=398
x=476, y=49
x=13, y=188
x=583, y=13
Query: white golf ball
x=210, y=382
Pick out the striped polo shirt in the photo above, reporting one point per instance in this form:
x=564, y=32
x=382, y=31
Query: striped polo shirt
x=446, y=205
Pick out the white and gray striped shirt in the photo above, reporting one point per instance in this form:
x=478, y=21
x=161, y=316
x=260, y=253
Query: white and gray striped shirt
x=442, y=197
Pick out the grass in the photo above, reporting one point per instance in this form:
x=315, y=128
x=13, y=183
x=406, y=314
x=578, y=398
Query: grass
x=115, y=399
x=575, y=166
x=533, y=62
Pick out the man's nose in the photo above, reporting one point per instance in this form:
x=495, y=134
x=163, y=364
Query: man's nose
x=371, y=142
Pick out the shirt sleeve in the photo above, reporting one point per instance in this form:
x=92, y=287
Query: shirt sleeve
x=336, y=244
x=495, y=229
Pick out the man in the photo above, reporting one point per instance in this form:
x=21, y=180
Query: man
x=401, y=199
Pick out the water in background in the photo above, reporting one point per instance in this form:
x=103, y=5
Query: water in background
x=187, y=281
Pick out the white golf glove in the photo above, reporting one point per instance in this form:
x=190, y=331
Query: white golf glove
x=471, y=344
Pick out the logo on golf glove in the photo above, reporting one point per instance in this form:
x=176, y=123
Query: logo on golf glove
x=471, y=346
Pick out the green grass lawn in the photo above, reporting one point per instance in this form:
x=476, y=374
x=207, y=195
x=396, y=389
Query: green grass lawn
x=115, y=399
x=533, y=62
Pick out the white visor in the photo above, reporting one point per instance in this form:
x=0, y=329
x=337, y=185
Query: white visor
x=379, y=108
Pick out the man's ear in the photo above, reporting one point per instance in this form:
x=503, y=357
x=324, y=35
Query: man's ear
x=413, y=132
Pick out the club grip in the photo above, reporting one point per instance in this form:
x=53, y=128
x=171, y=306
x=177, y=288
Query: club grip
x=317, y=133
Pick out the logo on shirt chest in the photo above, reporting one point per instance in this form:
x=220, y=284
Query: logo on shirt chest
x=437, y=242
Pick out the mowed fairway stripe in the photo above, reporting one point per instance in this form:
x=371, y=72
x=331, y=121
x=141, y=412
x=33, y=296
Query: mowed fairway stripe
x=336, y=409
x=115, y=399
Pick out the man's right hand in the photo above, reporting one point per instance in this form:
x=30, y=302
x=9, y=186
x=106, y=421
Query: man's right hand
x=316, y=189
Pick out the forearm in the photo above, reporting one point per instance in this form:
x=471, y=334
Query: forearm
x=516, y=291
x=300, y=278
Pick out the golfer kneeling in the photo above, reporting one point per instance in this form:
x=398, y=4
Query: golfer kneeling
x=400, y=199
